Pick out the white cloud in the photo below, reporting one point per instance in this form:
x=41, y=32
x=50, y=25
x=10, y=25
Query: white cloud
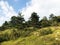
x=6, y=11
x=42, y=7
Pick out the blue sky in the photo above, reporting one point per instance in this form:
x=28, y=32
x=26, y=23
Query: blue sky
x=18, y=4
x=9, y=8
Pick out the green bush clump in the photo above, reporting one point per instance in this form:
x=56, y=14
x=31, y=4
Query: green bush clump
x=4, y=37
x=46, y=31
x=14, y=34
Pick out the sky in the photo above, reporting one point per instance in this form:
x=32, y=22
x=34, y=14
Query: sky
x=9, y=8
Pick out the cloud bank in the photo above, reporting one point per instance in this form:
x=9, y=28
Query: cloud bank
x=42, y=7
x=6, y=12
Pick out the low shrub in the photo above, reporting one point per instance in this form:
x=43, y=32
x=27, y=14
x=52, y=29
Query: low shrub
x=46, y=31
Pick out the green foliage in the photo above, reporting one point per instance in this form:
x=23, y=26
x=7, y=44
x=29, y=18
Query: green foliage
x=28, y=37
x=20, y=23
x=13, y=34
x=4, y=37
x=44, y=22
x=5, y=25
x=46, y=31
x=51, y=16
x=34, y=19
x=13, y=21
x=17, y=22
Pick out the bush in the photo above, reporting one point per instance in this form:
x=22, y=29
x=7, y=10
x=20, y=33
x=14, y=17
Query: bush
x=14, y=34
x=4, y=37
x=46, y=31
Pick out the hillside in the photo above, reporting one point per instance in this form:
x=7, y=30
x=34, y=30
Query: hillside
x=43, y=36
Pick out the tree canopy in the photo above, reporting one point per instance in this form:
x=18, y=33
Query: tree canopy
x=19, y=21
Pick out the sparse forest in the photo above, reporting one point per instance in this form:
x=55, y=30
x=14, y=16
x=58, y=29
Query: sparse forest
x=20, y=23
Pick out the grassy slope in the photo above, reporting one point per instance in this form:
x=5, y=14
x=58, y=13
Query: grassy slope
x=36, y=39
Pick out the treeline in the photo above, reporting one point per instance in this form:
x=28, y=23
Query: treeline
x=20, y=23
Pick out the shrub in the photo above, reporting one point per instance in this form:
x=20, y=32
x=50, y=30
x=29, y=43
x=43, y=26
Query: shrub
x=9, y=36
x=46, y=31
x=4, y=37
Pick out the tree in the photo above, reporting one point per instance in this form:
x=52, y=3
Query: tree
x=54, y=19
x=17, y=21
x=20, y=21
x=5, y=25
x=20, y=18
x=51, y=16
x=51, y=19
x=13, y=21
x=34, y=19
x=58, y=18
x=44, y=22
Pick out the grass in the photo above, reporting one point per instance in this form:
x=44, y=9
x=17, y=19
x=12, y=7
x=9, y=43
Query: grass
x=36, y=38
